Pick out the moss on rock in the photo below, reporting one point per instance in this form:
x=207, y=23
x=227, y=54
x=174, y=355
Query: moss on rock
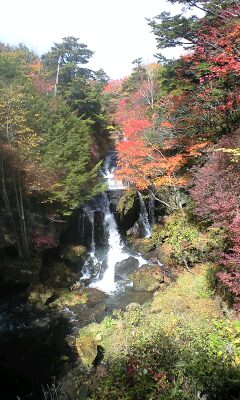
x=126, y=202
x=75, y=254
x=87, y=350
x=148, y=278
x=59, y=275
x=69, y=299
x=39, y=294
x=128, y=208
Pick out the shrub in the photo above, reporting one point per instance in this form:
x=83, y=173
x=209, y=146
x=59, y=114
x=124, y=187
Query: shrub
x=186, y=243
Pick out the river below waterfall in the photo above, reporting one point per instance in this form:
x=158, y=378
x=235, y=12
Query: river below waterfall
x=37, y=343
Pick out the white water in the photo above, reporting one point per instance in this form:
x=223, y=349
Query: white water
x=144, y=217
x=108, y=174
x=116, y=252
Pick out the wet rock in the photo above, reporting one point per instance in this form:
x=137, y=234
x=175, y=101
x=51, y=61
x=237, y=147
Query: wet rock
x=93, y=268
x=87, y=349
x=99, y=231
x=148, y=278
x=95, y=296
x=125, y=267
x=69, y=299
x=59, y=276
x=135, y=231
x=128, y=210
x=145, y=246
x=39, y=294
x=75, y=254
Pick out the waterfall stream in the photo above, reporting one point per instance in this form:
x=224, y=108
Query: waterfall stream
x=144, y=217
x=116, y=250
x=34, y=338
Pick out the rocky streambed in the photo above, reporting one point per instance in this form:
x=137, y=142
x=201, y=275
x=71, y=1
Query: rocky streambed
x=39, y=322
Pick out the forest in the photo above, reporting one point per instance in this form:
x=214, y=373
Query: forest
x=173, y=127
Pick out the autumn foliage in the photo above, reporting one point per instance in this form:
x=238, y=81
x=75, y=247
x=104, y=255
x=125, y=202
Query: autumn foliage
x=178, y=140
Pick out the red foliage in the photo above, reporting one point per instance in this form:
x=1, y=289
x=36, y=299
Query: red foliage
x=217, y=186
x=43, y=241
x=113, y=87
x=217, y=195
x=230, y=278
x=218, y=44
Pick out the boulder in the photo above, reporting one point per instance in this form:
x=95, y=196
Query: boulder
x=148, y=278
x=134, y=232
x=145, y=246
x=87, y=349
x=39, y=294
x=60, y=276
x=95, y=296
x=124, y=268
x=67, y=298
x=75, y=254
x=128, y=210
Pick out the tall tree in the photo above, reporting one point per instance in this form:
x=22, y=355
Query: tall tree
x=65, y=60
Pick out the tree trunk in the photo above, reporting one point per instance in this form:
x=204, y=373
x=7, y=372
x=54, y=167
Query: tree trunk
x=9, y=209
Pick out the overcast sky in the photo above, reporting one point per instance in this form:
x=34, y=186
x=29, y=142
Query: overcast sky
x=115, y=29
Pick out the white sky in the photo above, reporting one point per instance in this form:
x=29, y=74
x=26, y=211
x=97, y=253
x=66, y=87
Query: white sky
x=115, y=29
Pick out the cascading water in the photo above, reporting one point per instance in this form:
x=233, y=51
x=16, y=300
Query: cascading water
x=108, y=173
x=114, y=254
x=115, y=249
x=144, y=217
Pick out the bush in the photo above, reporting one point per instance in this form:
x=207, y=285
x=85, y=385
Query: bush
x=186, y=243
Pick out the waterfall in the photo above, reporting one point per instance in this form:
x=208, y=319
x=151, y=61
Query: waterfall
x=115, y=253
x=108, y=172
x=151, y=209
x=100, y=264
x=144, y=217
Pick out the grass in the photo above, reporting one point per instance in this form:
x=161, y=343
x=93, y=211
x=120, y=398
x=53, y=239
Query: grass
x=178, y=347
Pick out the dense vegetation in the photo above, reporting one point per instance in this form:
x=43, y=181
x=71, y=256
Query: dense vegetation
x=177, y=347
x=181, y=133
x=52, y=136
x=179, y=144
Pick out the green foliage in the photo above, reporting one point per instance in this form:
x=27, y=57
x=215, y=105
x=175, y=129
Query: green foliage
x=177, y=348
x=171, y=31
x=70, y=54
x=50, y=143
x=126, y=202
x=65, y=150
x=186, y=243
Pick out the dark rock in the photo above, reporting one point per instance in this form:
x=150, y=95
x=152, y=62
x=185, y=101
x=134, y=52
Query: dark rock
x=135, y=231
x=78, y=230
x=128, y=210
x=15, y=272
x=75, y=254
x=58, y=275
x=99, y=231
x=39, y=294
x=125, y=267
